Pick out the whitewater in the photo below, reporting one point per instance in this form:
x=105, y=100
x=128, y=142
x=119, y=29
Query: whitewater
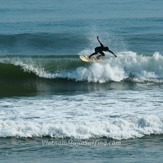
x=132, y=114
x=125, y=102
x=128, y=65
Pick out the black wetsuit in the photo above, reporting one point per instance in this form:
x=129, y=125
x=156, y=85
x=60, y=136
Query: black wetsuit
x=100, y=50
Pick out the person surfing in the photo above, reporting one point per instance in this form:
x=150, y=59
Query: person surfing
x=100, y=50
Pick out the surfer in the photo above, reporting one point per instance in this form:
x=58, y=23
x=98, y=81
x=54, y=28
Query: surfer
x=100, y=50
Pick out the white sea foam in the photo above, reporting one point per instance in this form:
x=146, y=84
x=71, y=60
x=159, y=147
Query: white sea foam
x=114, y=114
x=132, y=127
x=126, y=65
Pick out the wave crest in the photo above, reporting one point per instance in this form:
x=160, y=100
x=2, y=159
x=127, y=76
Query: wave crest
x=128, y=65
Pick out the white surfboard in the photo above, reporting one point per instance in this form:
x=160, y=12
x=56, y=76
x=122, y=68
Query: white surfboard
x=87, y=59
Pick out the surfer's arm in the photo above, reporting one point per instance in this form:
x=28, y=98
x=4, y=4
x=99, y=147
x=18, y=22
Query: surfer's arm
x=99, y=41
x=115, y=55
x=112, y=53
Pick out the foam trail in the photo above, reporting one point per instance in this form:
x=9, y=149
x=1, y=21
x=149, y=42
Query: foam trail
x=132, y=127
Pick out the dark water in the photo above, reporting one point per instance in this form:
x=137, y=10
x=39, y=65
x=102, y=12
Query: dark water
x=24, y=150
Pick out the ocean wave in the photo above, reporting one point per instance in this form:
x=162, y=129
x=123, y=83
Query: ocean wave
x=127, y=66
x=120, y=128
x=41, y=43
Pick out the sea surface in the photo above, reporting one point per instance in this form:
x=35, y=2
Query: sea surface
x=56, y=108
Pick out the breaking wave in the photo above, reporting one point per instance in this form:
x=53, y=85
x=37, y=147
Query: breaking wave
x=121, y=128
x=128, y=65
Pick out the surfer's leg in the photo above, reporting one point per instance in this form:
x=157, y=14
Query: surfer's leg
x=92, y=54
x=96, y=51
x=102, y=54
